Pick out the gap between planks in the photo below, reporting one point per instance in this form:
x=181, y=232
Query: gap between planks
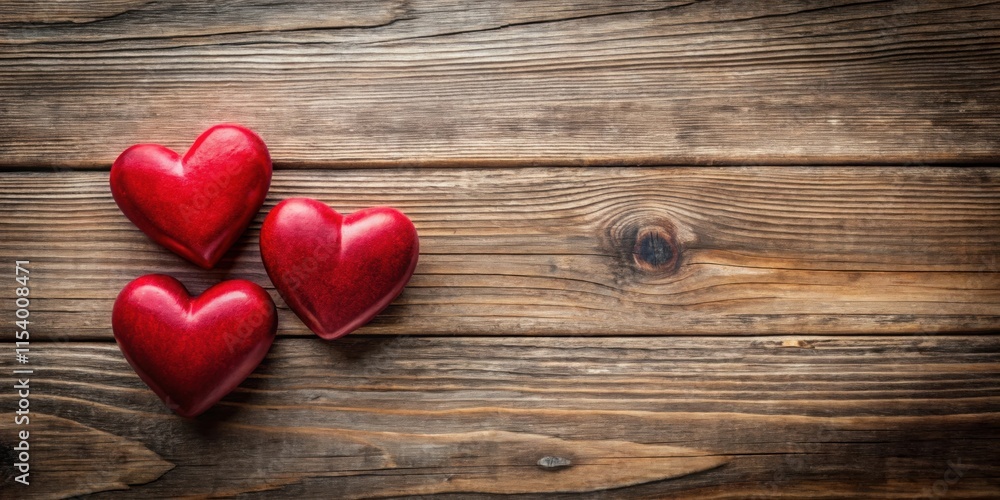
x=500, y=163
x=791, y=339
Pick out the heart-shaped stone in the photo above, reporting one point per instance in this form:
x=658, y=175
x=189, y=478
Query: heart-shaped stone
x=199, y=204
x=193, y=351
x=337, y=272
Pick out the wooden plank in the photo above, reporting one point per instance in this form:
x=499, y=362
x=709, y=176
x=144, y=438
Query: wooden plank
x=582, y=251
x=77, y=459
x=364, y=416
x=436, y=82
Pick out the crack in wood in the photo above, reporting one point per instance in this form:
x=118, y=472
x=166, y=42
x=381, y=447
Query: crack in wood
x=533, y=23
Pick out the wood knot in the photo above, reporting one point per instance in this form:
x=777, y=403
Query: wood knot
x=645, y=242
x=801, y=344
x=653, y=249
x=552, y=463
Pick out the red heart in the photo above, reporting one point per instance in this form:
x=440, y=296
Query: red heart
x=337, y=272
x=192, y=352
x=198, y=205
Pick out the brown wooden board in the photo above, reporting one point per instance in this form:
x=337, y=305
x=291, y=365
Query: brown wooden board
x=800, y=416
x=582, y=251
x=436, y=82
x=596, y=312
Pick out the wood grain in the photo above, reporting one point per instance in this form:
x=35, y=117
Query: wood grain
x=68, y=459
x=439, y=83
x=804, y=416
x=581, y=251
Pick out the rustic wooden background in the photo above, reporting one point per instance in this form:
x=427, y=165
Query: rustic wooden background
x=669, y=248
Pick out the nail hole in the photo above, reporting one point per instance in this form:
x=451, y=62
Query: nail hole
x=554, y=462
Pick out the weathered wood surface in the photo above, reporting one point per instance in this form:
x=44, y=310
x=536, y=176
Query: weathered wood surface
x=435, y=82
x=582, y=251
x=883, y=279
x=728, y=417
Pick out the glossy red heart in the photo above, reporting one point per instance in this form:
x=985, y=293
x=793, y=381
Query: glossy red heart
x=199, y=204
x=337, y=272
x=193, y=351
